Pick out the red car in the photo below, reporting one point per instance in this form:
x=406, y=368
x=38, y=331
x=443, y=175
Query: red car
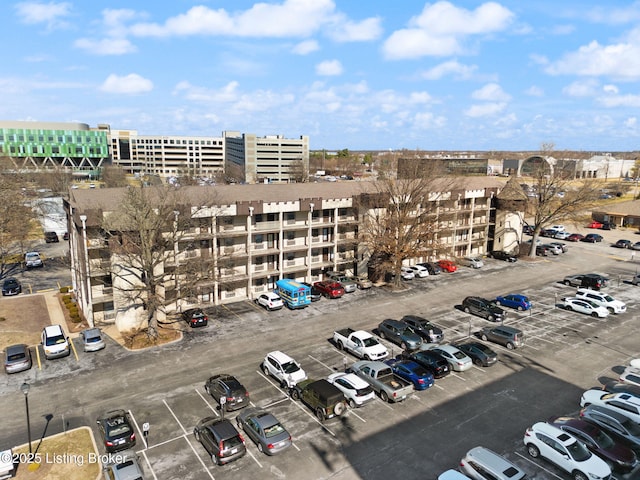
x=594, y=224
x=575, y=237
x=447, y=265
x=329, y=289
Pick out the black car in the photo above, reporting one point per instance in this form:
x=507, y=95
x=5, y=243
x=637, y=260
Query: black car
x=429, y=332
x=432, y=361
x=227, y=386
x=315, y=293
x=542, y=251
x=117, y=431
x=195, y=317
x=608, y=226
x=11, y=286
x=527, y=230
x=51, y=237
x=220, y=439
x=483, y=308
x=500, y=255
x=479, y=353
x=592, y=238
x=432, y=268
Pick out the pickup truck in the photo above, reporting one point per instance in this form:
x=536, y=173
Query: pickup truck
x=360, y=343
x=390, y=387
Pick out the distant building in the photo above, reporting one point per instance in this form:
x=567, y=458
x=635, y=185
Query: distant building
x=409, y=167
x=604, y=166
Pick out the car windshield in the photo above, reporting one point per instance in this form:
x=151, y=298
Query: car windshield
x=420, y=371
x=92, y=338
x=609, y=298
x=604, y=440
x=117, y=427
x=459, y=355
x=16, y=356
x=55, y=340
x=631, y=427
x=273, y=430
x=578, y=451
x=290, y=367
x=370, y=342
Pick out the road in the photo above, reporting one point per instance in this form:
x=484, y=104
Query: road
x=565, y=353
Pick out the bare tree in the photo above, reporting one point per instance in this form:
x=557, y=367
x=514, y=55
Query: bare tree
x=145, y=233
x=399, y=218
x=558, y=195
x=113, y=176
x=299, y=171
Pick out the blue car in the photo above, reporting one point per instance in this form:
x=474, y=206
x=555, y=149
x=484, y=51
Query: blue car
x=514, y=300
x=412, y=372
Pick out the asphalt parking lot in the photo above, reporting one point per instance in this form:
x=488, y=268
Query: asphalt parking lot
x=565, y=352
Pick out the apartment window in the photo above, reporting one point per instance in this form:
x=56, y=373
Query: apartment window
x=258, y=239
x=291, y=235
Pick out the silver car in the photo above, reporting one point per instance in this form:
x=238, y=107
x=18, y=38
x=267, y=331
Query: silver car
x=92, y=340
x=265, y=430
x=125, y=468
x=17, y=358
x=348, y=283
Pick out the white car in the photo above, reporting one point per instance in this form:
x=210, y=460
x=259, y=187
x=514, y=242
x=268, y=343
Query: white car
x=419, y=271
x=557, y=228
x=624, y=403
x=283, y=368
x=458, y=360
x=602, y=299
x=55, y=342
x=562, y=235
x=355, y=390
x=32, y=260
x=631, y=375
x=585, y=306
x=407, y=274
x=270, y=301
x=565, y=451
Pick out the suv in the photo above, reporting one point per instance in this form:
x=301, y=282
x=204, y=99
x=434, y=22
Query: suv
x=227, y=386
x=117, y=432
x=270, y=301
x=220, y=439
x=51, y=237
x=587, y=280
x=500, y=255
x=33, y=260
x=483, y=308
x=195, y=317
x=625, y=403
x=508, y=336
x=348, y=283
x=399, y=333
x=54, y=342
x=565, y=451
x=325, y=399
x=432, y=361
x=283, y=368
x=423, y=327
x=125, y=468
x=602, y=299
x=614, y=423
x=483, y=464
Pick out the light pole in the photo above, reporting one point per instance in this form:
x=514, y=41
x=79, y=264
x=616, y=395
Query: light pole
x=25, y=389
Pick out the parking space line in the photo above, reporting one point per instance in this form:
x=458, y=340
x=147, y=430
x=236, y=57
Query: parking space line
x=352, y=411
x=146, y=459
x=207, y=402
x=269, y=405
x=200, y=460
x=75, y=352
x=538, y=465
x=254, y=458
x=323, y=364
x=174, y=415
x=137, y=426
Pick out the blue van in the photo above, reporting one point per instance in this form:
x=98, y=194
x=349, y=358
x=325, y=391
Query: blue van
x=294, y=294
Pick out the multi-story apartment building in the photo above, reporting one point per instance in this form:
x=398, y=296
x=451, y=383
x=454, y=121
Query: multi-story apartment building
x=269, y=159
x=255, y=235
x=52, y=145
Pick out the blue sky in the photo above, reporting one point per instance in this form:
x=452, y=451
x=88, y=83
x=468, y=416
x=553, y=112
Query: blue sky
x=370, y=74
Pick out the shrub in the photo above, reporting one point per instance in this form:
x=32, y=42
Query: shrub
x=75, y=317
x=64, y=289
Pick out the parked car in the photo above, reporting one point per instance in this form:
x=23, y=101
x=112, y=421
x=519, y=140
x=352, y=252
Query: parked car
x=635, y=246
x=480, y=354
x=562, y=235
x=406, y=273
x=621, y=457
x=17, y=358
x=563, y=450
x=195, y=317
x=330, y=289
x=429, y=332
x=51, y=237
x=92, y=339
x=390, y=387
x=592, y=238
x=614, y=423
x=594, y=224
x=432, y=361
x=473, y=262
x=123, y=466
x=630, y=376
x=589, y=280
x=348, y=283
x=458, y=360
x=553, y=248
x=514, y=300
x=624, y=403
x=434, y=268
x=636, y=279
x=224, y=385
x=283, y=368
x=220, y=439
x=54, y=342
x=528, y=229
x=585, y=306
x=33, y=260
x=264, y=430
x=602, y=299
x=399, y=333
x=355, y=390
x=621, y=387
x=270, y=301
x=452, y=475
x=542, y=251
x=363, y=282
x=509, y=337
x=360, y=343
x=447, y=265
x=483, y=308
x=504, y=256
x=11, y=286
x=623, y=244
x=483, y=464
x=412, y=372
x=315, y=293
x=575, y=237
x=562, y=246
x=609, y=226
x=117, y=431
x=419, y=271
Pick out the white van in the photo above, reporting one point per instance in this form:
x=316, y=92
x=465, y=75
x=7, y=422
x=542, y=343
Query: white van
x=54, y=342
x=483, y=464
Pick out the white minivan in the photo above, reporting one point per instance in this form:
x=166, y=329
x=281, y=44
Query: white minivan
x=54, y=342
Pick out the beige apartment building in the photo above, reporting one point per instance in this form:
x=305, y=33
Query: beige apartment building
x=257, y=234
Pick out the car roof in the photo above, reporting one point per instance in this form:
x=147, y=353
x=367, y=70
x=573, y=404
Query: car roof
x=13, y=349
x=280, y=357
x=272, y=295
x=555, y=432
x=223, y=428
x=610, y=412
x=447, y=348
x=352, y=378
x=53, y=330
x=577, y=423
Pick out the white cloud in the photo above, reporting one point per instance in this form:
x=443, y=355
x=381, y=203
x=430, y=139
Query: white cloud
x=427, y=120
x=485, y=110
x=612, y=101
x=615, y=15
x=51, y=14
x=349, y=31
x=329, y=68
x=453, y=68
x=128, y=84
x=491, y=92
x=105, y=46
x=534, y=91
x=442, y=27
x=631, y=122
x=306, y=47
x=610, y=89
x=581, y=88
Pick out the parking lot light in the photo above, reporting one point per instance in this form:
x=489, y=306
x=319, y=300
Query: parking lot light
x=25, y=390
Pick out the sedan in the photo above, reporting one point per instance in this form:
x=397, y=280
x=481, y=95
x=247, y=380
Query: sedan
x=458, y=360
x=92, y=340
x=447, y=265
x=594, y=224
x=514, y=300
x=635, y=246
x=17, y=358
x=195, y=317
x=412, y=372
x=479, y=353
x=11, y=286
x=621, y=457
x=592, y=238
x=622, y=244
x=265, y=430
x=575, y=237
x=562, y=235
x=406, y=273
x=355, y=390
x=585, y=306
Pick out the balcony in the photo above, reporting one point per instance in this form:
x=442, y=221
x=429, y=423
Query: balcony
x=265, y=226
x=295, y=224
x=99, y=266
x=225, y=231
x=97, y=243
